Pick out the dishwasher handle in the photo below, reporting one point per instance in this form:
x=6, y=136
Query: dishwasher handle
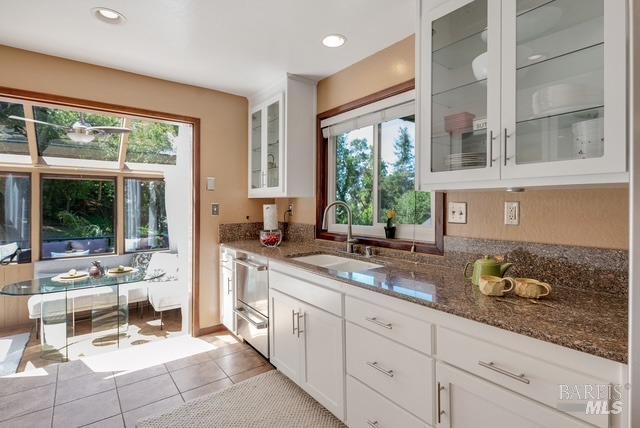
x=250, y=265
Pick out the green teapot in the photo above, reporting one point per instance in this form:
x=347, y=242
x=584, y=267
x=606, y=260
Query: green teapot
x=487, y=265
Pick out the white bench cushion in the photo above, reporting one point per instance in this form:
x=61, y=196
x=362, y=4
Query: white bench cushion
x=166, y=297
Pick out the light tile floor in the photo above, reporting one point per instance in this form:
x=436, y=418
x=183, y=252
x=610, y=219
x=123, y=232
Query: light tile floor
x=115, y=389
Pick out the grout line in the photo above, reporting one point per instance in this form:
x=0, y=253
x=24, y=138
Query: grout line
x=119, y=402
x=55, y=393
x=176, y=385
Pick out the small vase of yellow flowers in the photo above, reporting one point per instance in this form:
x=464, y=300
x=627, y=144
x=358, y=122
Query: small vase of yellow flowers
x=390, y=229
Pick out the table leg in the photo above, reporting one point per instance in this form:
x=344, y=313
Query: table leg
x=54, y=330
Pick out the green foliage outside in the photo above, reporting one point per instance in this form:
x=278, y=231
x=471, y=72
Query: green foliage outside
x=77, y=208
x=396, y=182
x=354, y=179
x=397, y=189
x=13, y=134
x=152, y=142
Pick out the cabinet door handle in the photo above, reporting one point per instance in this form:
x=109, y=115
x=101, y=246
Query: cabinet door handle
x=293, y=321
x=228, y=285
x=490, y=148
x=440, y=411
x=377, y=322
x=374, y=364
x=298, y=316
x=491, y=366
x=372, y=424
x=506, y=138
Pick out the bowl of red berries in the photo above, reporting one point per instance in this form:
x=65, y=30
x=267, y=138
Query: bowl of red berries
x=270, y=238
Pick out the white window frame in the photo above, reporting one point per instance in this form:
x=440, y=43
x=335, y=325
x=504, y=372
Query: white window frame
x=403, y=231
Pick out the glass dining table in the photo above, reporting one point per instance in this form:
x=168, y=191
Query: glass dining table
x=56, y=302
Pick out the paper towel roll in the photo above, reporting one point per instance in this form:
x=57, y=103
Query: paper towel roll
x=270, y=216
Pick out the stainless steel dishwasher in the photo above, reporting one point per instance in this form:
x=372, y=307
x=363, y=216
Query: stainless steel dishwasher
x=251, y=308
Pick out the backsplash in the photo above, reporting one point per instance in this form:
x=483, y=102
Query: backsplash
x=584, y=268
x=294, y=232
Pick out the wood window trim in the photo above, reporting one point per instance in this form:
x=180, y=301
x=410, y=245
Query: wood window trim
x=33, y=96
x=322, y=167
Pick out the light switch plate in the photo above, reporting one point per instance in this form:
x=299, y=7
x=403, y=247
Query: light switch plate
x=211, y=183
x=457, y=212
x=512, y=213
x=215, y=209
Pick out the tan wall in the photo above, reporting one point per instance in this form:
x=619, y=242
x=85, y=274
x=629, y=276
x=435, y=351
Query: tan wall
x=223, y=137
x=597, y=217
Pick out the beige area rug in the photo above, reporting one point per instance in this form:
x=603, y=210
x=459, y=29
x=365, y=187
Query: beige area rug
x=269, y=400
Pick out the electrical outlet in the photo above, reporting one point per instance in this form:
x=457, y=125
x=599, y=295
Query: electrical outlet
x=512, y=213
x=215, y=209
x=290, y=208
x=457, y=212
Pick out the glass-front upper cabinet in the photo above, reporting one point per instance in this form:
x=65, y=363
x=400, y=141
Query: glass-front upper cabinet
x=265, y=151
x=460, y=91
x=563, y=96
x=522, y=93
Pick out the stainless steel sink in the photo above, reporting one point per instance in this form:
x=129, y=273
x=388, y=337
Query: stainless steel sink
x=337, y=263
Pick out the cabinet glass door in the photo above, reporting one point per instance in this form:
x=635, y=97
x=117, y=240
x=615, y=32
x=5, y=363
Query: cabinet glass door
x=559, y=81
x=459, y=92
x=256, y=150
x=273, y=144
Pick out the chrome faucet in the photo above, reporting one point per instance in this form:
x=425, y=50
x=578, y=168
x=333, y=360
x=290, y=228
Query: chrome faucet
x=350, y=240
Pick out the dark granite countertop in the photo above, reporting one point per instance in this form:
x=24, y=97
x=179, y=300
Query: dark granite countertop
x=591, y=322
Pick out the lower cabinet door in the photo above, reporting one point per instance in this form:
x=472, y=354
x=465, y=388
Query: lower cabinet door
x=323, y=366
x=286, y=349
x=228, y=319
x=466, y=401
x=368, y=409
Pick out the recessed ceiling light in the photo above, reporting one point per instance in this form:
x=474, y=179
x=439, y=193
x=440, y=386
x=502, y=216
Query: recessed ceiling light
x=334, y=40
x=536, y=57
x=107, y=15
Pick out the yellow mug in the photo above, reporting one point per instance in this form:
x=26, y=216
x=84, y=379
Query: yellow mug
x=531, y=288
x=494, y=285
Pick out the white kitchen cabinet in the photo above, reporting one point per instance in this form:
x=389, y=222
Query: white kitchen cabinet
x=323, y=368
x=228, y=320
x=282, y=139
x=465, y=401
x=306, y=346
x=286, y=352
x=227, y=290
x=522, y=93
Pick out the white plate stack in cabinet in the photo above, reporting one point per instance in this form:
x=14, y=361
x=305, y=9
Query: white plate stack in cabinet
x=521, y=93
x=282, y=126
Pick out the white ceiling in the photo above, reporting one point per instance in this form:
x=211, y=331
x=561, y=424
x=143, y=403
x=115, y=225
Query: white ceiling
x=237, y=46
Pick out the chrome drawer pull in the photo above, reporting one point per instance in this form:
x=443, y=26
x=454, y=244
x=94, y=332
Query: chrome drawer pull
x=372, y=424
x=375, y=365
x=376, y=321
x=491, y=366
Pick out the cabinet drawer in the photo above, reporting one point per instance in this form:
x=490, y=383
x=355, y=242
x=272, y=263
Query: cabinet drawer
x=320, y=297
x=401, y=374
x=366, y=408
x=531, y=377
x=401, y=328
